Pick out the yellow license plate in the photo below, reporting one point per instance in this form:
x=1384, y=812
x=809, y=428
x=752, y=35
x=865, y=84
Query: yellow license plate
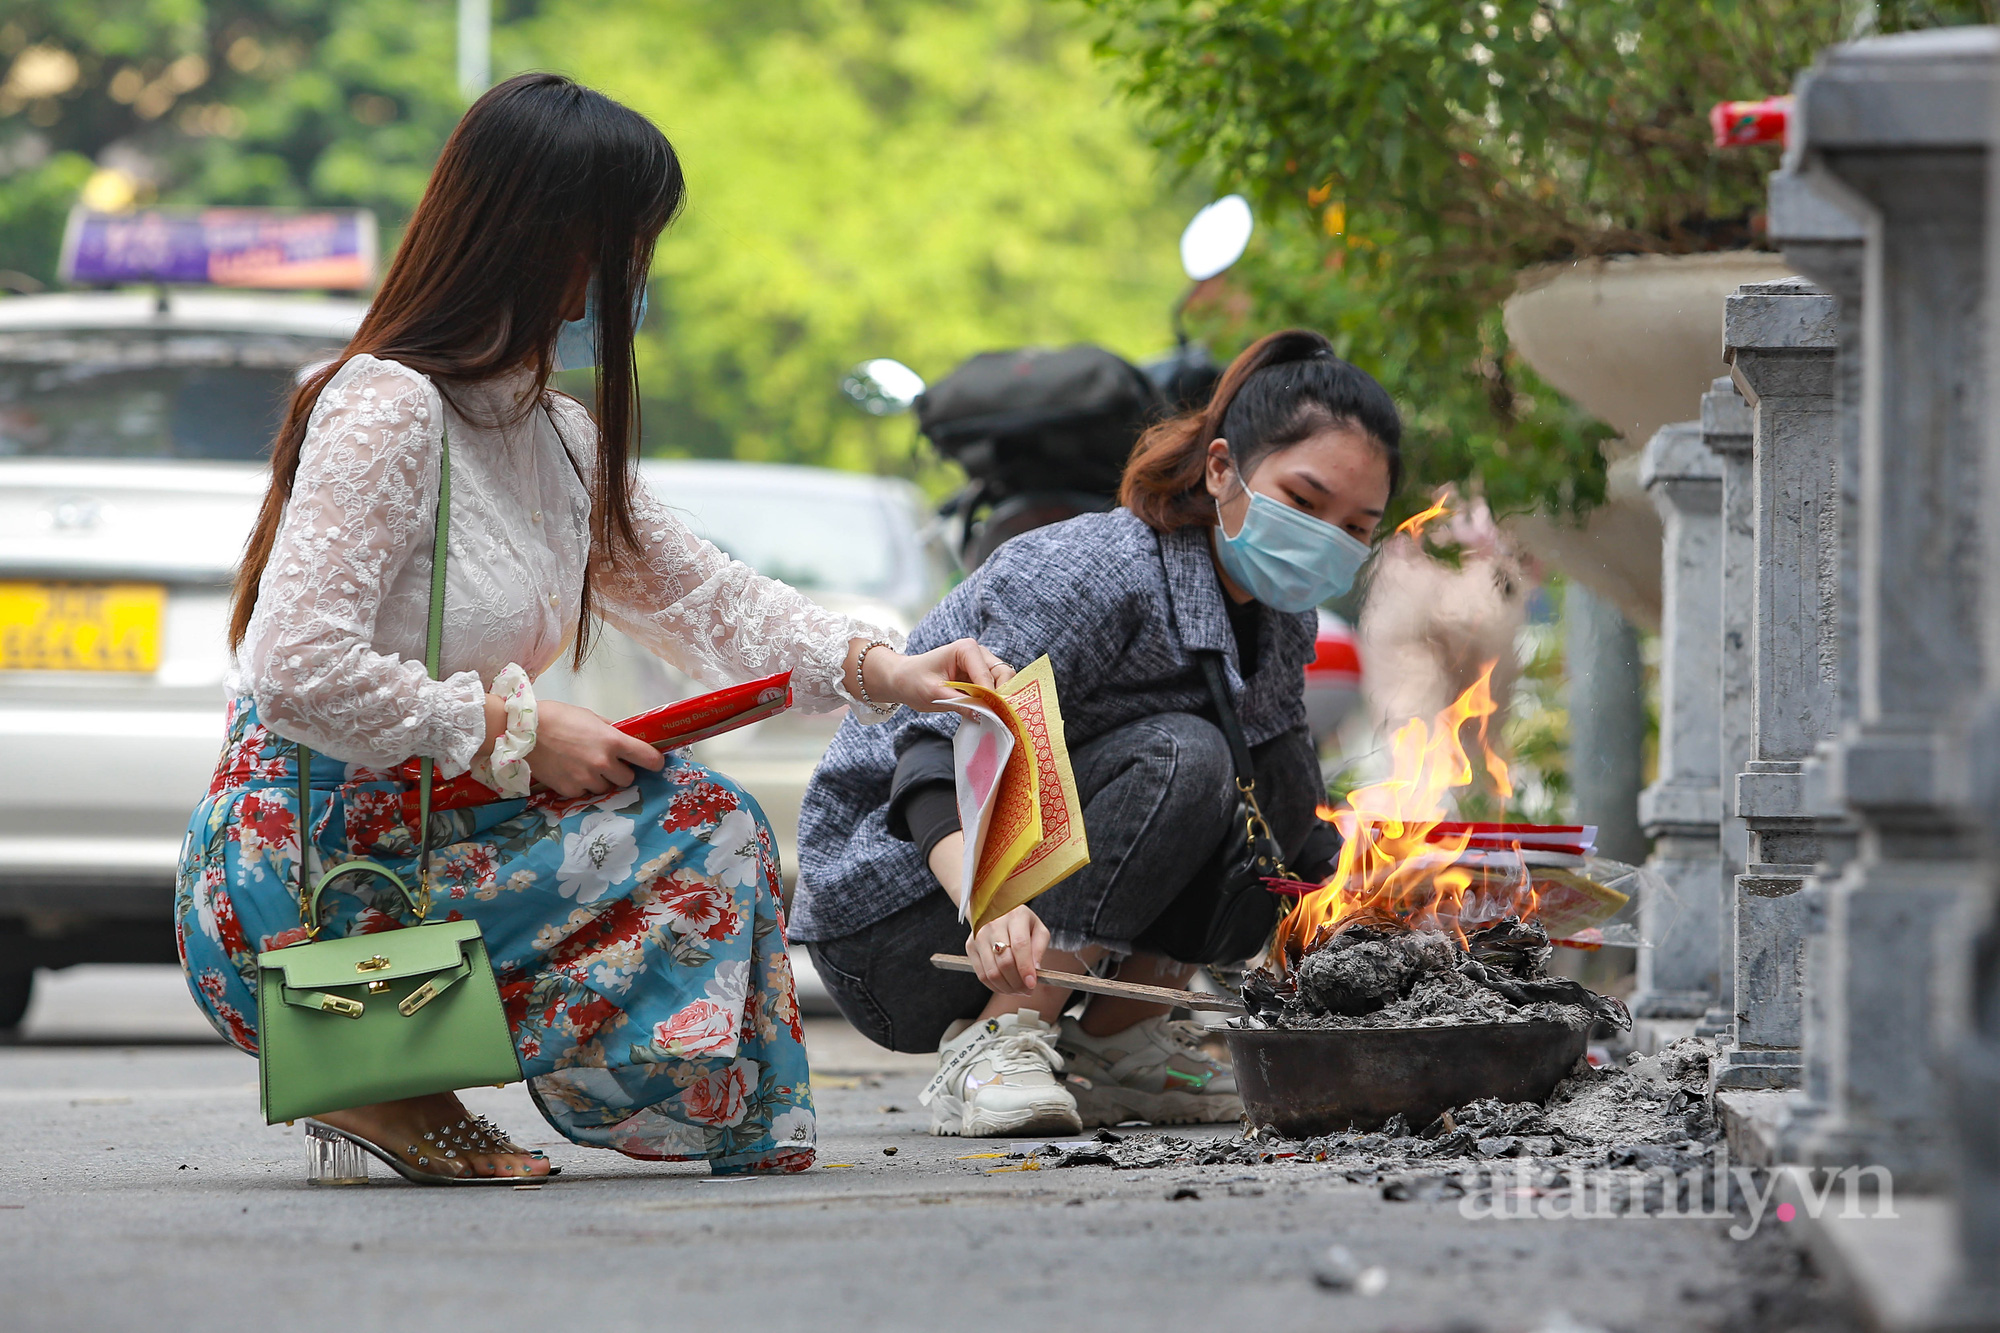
x=81, y=626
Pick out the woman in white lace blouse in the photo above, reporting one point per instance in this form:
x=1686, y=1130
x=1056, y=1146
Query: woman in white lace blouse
x=629, y=904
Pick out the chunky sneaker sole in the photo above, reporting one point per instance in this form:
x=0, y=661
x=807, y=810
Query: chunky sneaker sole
x=998, y=1077
x=1155, y=1071
x=1099, y=1105
x=951, y=1118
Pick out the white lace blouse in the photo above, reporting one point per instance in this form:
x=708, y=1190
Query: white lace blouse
x=334, y=656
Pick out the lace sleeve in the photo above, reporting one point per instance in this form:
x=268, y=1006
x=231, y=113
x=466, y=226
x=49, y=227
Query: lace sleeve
x=719, y=620
x=361, y=505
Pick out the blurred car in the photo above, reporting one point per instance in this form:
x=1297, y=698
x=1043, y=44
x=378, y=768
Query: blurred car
x=132, y=436
x=133, y=430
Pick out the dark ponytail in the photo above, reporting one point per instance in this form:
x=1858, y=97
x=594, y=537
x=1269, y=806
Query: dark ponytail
x=1284, y=388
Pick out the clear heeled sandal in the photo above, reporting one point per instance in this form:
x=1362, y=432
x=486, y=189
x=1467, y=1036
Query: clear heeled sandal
x=336, y=1157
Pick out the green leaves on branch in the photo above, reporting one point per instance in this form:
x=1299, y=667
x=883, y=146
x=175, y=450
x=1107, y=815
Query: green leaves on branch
x=1414, y=155
x=923, y=179
x=908, y=178
x=218, y=101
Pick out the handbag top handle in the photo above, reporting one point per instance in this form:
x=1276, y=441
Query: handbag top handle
x=433, y=645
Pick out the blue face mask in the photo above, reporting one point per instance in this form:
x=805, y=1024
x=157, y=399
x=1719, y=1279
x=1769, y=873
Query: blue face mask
x=1287, y=559
x=576, y=340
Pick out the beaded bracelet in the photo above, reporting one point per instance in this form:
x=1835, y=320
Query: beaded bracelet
x=861, y=679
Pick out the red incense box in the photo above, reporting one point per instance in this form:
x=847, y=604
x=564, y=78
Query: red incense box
x=667, y=728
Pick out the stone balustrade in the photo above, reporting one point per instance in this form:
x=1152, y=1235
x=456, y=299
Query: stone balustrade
x=1781, y=345
x=1857, y=638
x=1825, y=243
x=1682, y=811
x=1727, y=430
x=1896, y=130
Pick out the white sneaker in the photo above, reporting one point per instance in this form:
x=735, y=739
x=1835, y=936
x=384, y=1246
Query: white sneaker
x=1155, y=1070
x=998, y=1076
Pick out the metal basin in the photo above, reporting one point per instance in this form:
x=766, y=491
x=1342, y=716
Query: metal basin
x=1306, y=1083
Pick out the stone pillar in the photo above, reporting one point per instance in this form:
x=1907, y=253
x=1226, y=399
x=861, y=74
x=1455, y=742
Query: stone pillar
x=1975, y=1084
x=1726, y=430
x=1607, y=721
x=1825, y=244
x=1780, y=344
x=1975, y=1064
x=1682, y=811
x=1898, y=126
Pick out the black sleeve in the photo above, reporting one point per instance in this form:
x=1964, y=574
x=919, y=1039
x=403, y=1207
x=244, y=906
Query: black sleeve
x=1317, y=856
x=923, y=796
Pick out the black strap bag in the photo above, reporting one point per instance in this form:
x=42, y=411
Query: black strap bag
x=1226, y=914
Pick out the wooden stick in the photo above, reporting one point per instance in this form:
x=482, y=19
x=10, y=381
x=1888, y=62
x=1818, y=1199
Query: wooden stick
x=1129, y=990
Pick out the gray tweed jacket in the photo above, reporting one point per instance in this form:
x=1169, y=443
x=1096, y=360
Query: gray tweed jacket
x=1120, y=610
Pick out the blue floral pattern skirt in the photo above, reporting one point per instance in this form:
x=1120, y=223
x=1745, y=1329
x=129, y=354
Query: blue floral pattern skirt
x=637, y=937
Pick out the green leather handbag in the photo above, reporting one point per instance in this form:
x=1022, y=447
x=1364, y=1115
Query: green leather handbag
x=399, y=1013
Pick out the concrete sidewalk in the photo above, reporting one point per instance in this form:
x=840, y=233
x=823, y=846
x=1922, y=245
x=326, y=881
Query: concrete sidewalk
x=139, y=1188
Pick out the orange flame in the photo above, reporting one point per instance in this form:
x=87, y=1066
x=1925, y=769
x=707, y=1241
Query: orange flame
x=1393, y=861
x=1414, y=525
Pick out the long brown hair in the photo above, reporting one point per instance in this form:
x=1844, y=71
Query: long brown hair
x=1280, y=390
x=540, y=174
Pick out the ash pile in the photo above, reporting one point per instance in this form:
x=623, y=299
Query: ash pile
x=1651, y=1111
x=1374, y=970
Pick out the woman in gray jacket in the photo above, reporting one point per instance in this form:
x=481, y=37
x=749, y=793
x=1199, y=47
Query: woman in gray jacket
x=1236, y=522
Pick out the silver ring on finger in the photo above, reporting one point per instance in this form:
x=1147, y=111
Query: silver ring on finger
x=1001, y=947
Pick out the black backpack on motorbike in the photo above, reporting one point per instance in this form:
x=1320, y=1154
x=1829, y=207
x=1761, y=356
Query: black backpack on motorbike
x=1042, y=433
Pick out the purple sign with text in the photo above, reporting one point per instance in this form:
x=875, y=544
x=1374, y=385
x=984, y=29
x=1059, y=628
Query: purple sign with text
x=332, y=250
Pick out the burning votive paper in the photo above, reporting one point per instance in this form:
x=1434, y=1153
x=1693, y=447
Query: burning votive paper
x=1017, y=799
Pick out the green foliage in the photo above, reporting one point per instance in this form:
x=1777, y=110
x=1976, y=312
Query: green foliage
x=1412, y=156
x=33, y=204
x=908, y=178
x=219, y=101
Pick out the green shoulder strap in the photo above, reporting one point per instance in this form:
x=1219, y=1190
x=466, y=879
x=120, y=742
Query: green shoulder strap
x=433, y=641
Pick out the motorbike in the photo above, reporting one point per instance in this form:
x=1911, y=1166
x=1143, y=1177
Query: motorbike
x=1043, y=433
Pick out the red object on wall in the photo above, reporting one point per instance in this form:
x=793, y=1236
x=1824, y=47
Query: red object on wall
x=1336, y=659
x=1739, y=123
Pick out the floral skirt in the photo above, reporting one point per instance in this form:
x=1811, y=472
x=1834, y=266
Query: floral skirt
x=637, y=937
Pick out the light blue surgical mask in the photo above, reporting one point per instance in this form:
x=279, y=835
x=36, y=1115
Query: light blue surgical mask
x=576, y=340
x=1286, y=558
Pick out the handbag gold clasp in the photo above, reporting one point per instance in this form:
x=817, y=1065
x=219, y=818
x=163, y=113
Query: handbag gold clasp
x=418, y=998
x=375, y=964
x=340, y=1004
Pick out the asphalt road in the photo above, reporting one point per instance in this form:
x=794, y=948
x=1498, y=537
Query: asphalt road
x=138, y=1189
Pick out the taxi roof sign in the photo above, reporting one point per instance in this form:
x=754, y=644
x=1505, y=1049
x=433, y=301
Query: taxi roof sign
x=269, y=248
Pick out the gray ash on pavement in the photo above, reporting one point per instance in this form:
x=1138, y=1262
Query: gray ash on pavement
x=1652, y=1111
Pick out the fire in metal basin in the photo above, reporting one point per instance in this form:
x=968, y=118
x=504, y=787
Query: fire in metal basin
x=1414, y=979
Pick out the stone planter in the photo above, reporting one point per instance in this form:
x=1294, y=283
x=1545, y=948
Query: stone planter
x=1635, y=340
